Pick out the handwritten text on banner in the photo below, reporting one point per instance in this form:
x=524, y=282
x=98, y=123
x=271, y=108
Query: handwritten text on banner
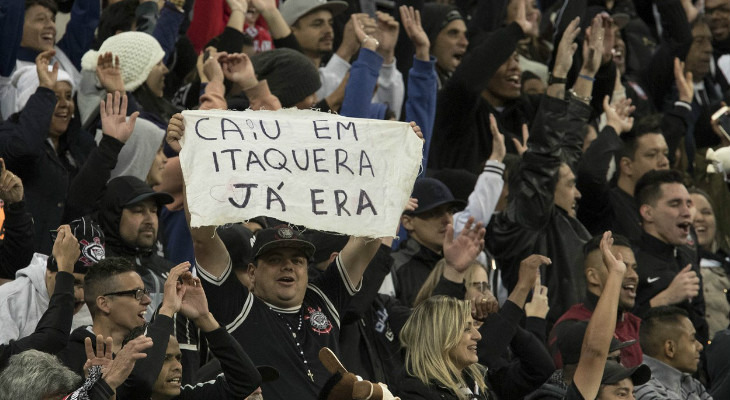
x=320, y=170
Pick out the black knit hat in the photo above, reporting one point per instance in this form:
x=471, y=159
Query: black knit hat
x=91, y=244
x=435, y=17
x=290, y=74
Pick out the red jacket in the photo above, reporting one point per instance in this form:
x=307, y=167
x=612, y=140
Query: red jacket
x=627, y=328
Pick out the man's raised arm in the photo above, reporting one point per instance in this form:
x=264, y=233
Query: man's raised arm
x=210, y=252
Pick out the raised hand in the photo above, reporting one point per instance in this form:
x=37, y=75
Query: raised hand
x=482, y=305
x=11, y=187
x=685, y=84
x=109, y=72
x=212, y=68
x=498, y=148
x=566, y=49
x=530, y=270
x=174, y=290
x=593, y=47
x=387, y=35
x=175, y=132
x=114, y=120
x=237, y=67
x=411, y=20
x=46, y=78
x=618, y=115
x=613, y=264
x=194, y=303
x=521, y=15
x=116, y=372
x=417, y=130
x=460, y=251
x=538, y=306
x=522, y=146
x=263, y=5
x=66, y=249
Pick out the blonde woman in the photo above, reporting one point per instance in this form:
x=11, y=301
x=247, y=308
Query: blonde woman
x=440, y=340
x=443, y=344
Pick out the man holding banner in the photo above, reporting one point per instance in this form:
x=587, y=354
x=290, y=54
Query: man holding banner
x=288, y=318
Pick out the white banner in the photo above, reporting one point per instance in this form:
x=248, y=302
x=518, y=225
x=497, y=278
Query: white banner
x=327, y=172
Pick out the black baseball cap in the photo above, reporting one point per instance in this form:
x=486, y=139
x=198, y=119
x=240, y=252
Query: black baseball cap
x=570, y=340
x=132, y=190
x=278, y=237
x=614, y=373
x=91, y=244
x=432, y=193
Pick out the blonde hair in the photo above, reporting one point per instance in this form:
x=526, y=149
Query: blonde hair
x=435, y=328
x=435, y=276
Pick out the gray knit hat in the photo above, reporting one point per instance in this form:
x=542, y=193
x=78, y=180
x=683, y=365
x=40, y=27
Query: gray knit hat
x=290, y=74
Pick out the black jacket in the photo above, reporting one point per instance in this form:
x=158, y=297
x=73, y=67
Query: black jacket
x=412, y=265
x=16, y=247
x=462, y=137
x=46, y=172
x=411, y=388
x=371, y=324
x=51, y=334
x=532, y=224
x=658, y=264
x=604, y=206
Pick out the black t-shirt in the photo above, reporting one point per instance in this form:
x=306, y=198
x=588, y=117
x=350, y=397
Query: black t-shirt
x=265, y=331
x=573, y=393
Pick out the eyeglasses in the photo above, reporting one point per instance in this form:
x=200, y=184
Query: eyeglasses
x=136, y=293
x=482, y=287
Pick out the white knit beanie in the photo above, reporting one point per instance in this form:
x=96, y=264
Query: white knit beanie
x=138, y=53
x=25, y=81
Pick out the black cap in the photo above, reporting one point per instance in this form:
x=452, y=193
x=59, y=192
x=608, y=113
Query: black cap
x=132, y=191
x=570, y=340
x=614, y=373
x=279, y=237
x=91, y=244
x=432, y=193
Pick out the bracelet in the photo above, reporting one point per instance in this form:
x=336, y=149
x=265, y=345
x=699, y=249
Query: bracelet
x=554, y=80
x=588, y=78
x=377, y=43
x=586, y=99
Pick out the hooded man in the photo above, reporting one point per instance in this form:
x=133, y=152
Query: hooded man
x=24, y=300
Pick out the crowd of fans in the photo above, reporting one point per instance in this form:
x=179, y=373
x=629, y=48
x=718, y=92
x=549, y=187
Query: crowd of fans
x=568, y=235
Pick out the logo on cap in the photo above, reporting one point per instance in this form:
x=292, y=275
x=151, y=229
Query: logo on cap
x=91, y=252
x=285, y=233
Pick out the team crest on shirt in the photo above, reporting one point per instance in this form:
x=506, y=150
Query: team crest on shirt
x=320, y=323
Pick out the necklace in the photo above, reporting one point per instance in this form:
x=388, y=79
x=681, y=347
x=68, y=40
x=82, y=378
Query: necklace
x=296, y=341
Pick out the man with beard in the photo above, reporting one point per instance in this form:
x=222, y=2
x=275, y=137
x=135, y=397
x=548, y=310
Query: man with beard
x=668, y=270
x=627, y=324
x=25, y=299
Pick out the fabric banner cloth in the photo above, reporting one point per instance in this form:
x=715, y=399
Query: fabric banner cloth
x=323, y=171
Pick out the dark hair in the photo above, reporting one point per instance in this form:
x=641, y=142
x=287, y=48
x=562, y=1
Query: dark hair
x=99, y=279
x=49, y=4
x=650, y=124
x=595, y=243
x=658, y=325
x=117, y=17
x=648, y=189
x=527, y=75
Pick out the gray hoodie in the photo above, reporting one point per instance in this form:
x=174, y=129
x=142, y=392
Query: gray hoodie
x=24, y=300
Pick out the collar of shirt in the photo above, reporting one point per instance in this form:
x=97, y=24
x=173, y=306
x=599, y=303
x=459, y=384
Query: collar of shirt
x=667, y=375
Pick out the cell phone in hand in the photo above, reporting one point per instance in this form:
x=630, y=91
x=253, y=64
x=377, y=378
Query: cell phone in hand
x=723, y=121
